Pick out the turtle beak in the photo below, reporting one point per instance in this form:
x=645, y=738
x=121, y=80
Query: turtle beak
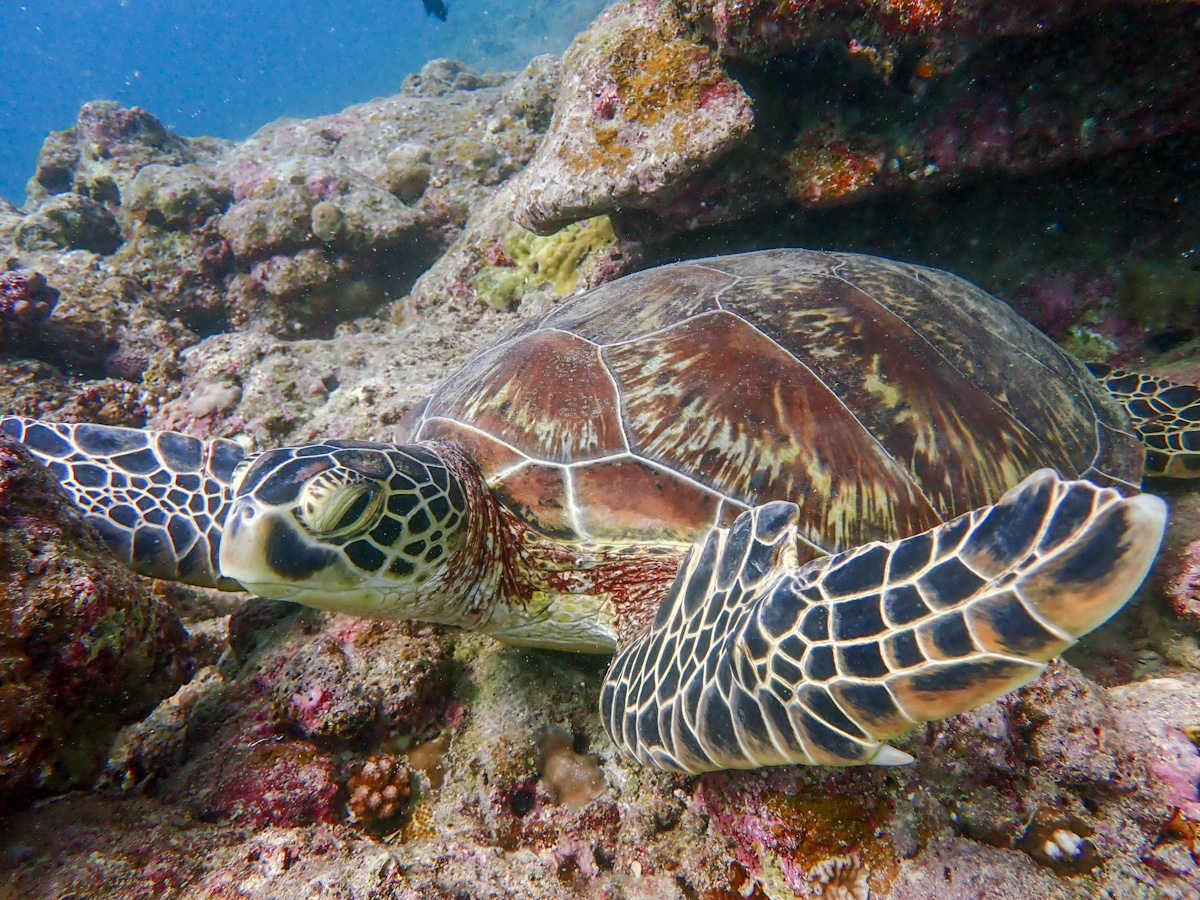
x=241, y=546
x=262, y=548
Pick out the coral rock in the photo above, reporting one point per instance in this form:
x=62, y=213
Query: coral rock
x=181, y=197
x=642, y=108
x=273, y=209
x=106, y=147
x=71, y=222
x=408, y=170
x=849, y=101
x=25, y=303
x=85, y=646
x=1183, y=592
x=261, y=781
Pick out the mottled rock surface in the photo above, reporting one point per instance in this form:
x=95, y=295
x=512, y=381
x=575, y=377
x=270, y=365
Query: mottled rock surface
x=829, y=103
x=84, y=649
x=643, y=107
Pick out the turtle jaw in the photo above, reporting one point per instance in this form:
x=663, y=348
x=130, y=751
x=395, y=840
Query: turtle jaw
x=271, y=558
x=266, y=553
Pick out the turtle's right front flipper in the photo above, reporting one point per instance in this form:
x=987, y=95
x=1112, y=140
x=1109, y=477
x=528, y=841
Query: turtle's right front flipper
x=1165, y=414
x=754, y=661
x=157, y=498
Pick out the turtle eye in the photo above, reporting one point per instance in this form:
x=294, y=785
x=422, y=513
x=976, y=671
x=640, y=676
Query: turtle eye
x=332, y=507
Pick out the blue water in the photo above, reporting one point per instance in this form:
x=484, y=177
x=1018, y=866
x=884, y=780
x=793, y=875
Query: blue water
x=226, y=68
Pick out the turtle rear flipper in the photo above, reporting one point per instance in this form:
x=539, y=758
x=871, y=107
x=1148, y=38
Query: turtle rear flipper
x=1165, y=414
x=157, y=498
x=752, y=661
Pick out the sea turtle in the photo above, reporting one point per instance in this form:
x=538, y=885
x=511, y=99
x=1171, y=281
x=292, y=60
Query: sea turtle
x=809, y=499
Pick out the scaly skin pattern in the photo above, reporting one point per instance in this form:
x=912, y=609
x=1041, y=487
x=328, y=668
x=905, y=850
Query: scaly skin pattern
x=1165, y=415
x=412, y=531
x=753, y=661
x=527, y=589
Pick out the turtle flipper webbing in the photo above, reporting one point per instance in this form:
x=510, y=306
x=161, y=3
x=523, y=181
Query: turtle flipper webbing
x=1165, y=414
x=157, y=498
x=753, y=661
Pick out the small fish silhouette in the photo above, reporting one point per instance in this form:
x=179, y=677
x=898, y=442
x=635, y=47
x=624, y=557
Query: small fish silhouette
x=436, y=8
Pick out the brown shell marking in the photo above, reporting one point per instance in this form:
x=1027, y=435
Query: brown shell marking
x=882, y=398
x=764, y=428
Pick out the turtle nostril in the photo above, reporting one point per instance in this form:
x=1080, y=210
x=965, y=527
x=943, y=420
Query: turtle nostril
x=237, y=517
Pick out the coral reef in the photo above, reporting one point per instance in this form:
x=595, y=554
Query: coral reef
x=642, y=108
x=181, y=197
x=71, y=222
x=321, y=277
x=25, y=304
x=103, y=151
x=812, y=104
x=378, y=789
x=524, y=261
x=1184, y=589
x=85, y=647
x=841, y=878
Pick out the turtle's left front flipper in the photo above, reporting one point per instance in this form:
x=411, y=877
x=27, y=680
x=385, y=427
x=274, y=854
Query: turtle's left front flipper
x=1165, y=414
x=753, y=661
x=157, y=498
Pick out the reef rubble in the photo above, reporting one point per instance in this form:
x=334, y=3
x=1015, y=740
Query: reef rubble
x=322, y=276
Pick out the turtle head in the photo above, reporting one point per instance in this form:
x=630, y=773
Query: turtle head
x=346, y=525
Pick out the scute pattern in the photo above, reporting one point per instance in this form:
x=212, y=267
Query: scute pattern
x=425, y=504
x=158, y=498
x=569, y=411
x=880, y=397
x=749, y=665
x=1165, y=414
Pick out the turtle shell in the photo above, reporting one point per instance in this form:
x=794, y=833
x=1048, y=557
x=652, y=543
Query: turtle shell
x=882, y=398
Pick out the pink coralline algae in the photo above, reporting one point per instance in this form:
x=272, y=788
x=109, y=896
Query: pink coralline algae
x=642, y=107
x=1178, y=765
x=1184, y=590
x=786, y=824
x=84, y=649
x=26, y=301
x=272, y=782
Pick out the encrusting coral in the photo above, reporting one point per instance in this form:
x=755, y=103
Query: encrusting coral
x=570, y=777
x=378, y=789
x=527, y=261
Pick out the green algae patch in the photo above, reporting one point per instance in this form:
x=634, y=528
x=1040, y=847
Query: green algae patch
x=1087, y=345
x=532, y=261
x=1159, y=291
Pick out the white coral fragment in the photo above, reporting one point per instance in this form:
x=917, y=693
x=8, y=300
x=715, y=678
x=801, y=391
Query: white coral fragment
x=841, y=878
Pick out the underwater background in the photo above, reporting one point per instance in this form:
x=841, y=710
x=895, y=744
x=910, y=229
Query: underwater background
x=175, y=255
x=224, y=69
